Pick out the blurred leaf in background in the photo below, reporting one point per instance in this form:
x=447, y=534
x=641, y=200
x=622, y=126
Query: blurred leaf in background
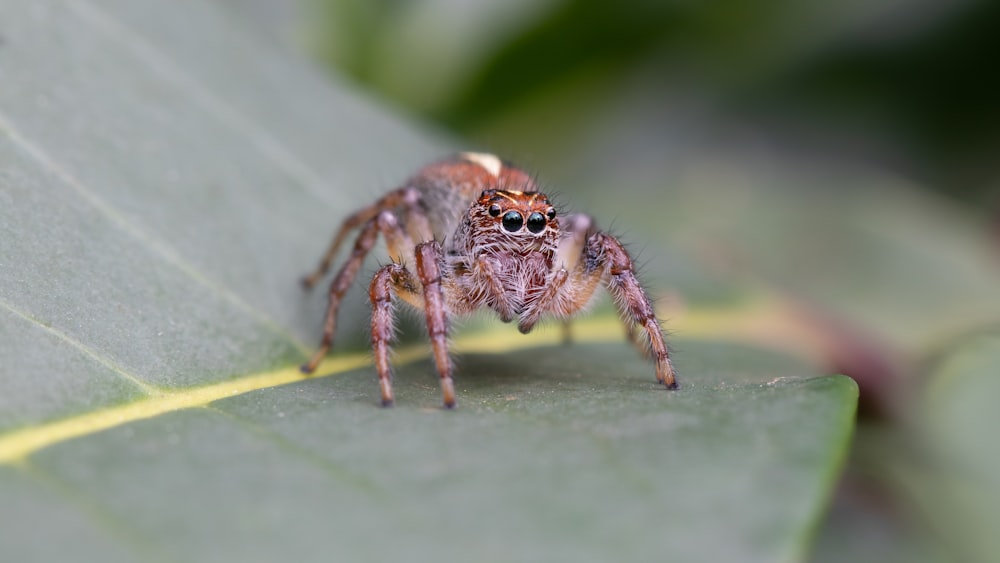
x=838, y=157
x=906, y=83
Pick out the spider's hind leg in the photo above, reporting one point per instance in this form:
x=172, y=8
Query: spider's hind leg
x=407, y=198
x=398, y=242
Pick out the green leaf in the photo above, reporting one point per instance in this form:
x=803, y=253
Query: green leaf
x=954, y=482
x=554, y=452
x=936, y=473
x=166, y=177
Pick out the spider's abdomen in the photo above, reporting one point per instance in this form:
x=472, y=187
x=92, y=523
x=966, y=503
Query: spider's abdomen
x=449, y=187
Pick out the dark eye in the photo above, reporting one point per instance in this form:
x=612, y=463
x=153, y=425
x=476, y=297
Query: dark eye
x=536, y=222
x=512, y=221
x=551, y=213
x=495, y=210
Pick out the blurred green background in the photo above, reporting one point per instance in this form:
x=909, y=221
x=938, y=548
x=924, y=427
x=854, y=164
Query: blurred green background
x=909, y=85
x=839, y=159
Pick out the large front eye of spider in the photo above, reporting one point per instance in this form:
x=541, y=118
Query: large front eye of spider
x=536, y=222
x=512, y=221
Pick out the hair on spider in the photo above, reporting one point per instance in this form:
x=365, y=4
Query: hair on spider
x=474, y=232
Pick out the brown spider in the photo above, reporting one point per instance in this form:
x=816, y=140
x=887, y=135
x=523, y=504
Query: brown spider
x=486, y=238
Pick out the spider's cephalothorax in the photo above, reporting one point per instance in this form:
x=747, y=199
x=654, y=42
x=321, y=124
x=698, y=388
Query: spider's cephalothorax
x=505, y=248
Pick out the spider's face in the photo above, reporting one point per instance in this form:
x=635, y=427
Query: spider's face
x=520, y=215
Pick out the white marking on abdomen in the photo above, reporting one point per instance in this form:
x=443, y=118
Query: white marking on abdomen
x=490, y=162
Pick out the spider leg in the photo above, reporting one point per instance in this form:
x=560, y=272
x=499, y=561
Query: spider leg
x=392, y=277
x=550, y=293
x=396, y=239
x=430, y=258
x=595, y=257
x=631, y=300
x=486, y=278
x=636, y=340
x=408, y=197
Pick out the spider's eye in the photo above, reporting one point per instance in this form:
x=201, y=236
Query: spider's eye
x=495, y=210
x=512, y=221
x=536, y=222
x=551, y=213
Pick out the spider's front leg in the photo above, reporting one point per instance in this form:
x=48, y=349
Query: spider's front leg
x=430, y=261
x=631, y=300
x=392, y=277
x=585, y=258
x=396, y=278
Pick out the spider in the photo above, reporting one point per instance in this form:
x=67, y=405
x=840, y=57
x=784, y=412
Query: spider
x=480, y=234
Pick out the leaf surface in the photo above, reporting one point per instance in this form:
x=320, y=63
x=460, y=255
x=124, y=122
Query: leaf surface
x=166, y=177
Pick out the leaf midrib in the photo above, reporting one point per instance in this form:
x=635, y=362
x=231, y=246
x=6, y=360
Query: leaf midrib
x=17, y=445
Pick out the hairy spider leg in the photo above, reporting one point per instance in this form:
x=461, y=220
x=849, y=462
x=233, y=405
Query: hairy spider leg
x=389, y=278
x=396, y=278
x=397, y=240
x=632, y=302
x=601, y=257
x=486, y=278
x=430, y=259
x=415, y=219
x=634, y=337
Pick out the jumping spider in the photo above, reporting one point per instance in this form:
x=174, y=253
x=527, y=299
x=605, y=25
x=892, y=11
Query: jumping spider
x=485, y=237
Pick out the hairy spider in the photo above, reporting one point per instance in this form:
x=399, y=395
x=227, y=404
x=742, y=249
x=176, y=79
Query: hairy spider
x=480, y=234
